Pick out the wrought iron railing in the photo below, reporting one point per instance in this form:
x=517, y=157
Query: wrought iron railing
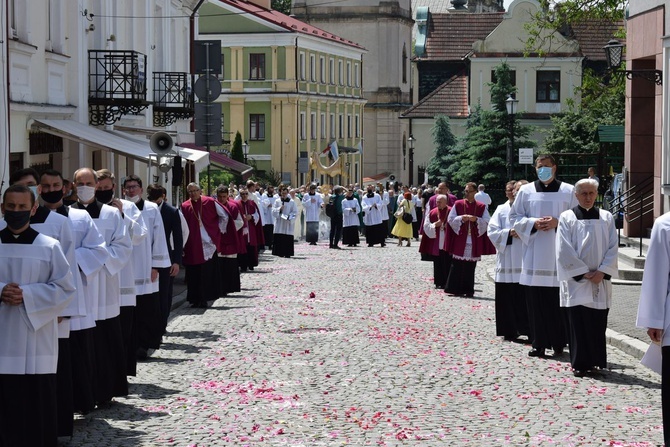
x=633, y=204
x=173, y=97
x=116, y=84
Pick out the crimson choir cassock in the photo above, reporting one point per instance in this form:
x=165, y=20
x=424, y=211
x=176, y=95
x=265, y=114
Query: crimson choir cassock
x=468, y=243
x=438, y=242
x=250, y=234
x=229, y=277
x=202, y=218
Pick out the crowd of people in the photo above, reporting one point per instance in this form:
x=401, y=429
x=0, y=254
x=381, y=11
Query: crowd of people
x=84, y=311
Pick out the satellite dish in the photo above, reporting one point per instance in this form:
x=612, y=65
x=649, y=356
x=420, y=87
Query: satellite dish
x=161, y=143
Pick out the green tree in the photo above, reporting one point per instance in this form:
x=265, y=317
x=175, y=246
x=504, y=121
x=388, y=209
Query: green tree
x=601, y=104
x=445, y=143
x=482, y=152
x=236, y=152
x=283, y=6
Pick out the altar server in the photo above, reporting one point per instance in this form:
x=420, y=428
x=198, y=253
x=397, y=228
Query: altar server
x=250, y=232
x=90, y=255
x=534, y=216
x=36, y=286
x=312, y=203
x=284, y=213
x=436, y=230
x=108, y=341
x=510, y=302
x=148, y=257
x=586, y=251
x=229, y=271
x=350, y=210
x=266, y=203
x=375, y=229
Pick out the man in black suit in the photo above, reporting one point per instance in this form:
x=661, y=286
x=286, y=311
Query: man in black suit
x=173, y=235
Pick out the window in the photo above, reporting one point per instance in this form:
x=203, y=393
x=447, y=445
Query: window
x=357, y=123
x=303, y=133
x=312, y=126
x=340, y=72
x=357, y=77
x=302, y=66
x=322, y=69
x=340, y=132
x=323, y=126
x=312, y=68
x=256, y=127
x=331, y=71
x=349, y=126
x=348, y=74
x=257, y=66
x=221, y=76
x=332, y=125
x=548, y=86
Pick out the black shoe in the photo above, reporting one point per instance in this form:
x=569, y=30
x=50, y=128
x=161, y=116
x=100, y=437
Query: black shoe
x=383, y=245
x=142, y=353
x=578, y=372
x=558, y=351
x=336, y=247
x=510, y=337
x=251, y=269
x=312, y=243
x=537, y=353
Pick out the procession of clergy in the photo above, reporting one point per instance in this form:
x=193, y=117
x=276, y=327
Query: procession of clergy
x=556, y=254
x=77, y=314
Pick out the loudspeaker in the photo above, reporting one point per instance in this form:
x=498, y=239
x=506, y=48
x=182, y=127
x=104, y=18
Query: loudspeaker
x=177, y=171
x=161, y=143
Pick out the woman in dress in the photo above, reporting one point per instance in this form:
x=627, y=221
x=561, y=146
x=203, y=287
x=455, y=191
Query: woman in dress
x=403, y=230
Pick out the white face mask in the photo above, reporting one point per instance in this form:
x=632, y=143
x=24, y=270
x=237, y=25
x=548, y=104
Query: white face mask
x=85, y=193
x=134, y=199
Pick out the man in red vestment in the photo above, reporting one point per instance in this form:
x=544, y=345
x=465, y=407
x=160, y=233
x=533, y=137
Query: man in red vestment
x=202, y=215
x=468, y=219
x=250, y=232
x=437, y=231
x=229, y=280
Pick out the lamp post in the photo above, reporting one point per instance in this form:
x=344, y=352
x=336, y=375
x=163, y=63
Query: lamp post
x=411, y=141
x=614, y=55
x=245, y=150
x=510, y=104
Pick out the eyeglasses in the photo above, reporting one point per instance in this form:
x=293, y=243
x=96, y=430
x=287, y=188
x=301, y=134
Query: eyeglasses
x=129, y=187
x=192, y=191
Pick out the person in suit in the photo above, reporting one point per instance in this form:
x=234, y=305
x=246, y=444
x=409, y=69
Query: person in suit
x=173, y=234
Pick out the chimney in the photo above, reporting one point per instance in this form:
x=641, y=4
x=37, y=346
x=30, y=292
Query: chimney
x=262, y=3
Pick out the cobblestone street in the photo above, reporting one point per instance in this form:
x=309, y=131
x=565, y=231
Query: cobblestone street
x=356, y=347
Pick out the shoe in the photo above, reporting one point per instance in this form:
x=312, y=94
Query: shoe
x=409, y=244
x=510, y=338
x=312, y=243
x=383, y=244
x=537, y=353
x=578, y=372
x=251, y=269
x=150, y=352
x=558, y=351
x=142, y=353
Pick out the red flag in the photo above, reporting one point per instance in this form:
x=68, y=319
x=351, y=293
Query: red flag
x=327, y=149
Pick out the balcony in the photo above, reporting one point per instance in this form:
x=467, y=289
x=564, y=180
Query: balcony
x=173, y=98
x=116, y=85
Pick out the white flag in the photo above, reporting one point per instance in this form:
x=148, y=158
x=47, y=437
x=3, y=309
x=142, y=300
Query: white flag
x=334, y=150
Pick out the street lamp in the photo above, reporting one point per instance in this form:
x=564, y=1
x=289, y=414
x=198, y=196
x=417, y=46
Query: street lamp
x=614, y=55
x=245, y=150
x=411, y=140
x=510, y=104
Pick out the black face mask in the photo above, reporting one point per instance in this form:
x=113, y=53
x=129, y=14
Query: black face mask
x=17, y=219
x=52, y=196
x=104, y=196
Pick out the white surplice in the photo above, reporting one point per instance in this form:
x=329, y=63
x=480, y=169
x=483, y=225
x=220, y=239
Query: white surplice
x=138, y=233
x=583, y=246
x=284, y=218
x=538, y=266
x=312, y=205
x=91, y=254
x=152, y=252
x=508, y=257
x=120, y=248
x=266, y=204
x=372, y=207
x=654, y=306
x=29, y=331
x=350, y=210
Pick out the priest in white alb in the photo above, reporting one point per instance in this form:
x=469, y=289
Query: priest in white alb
x=36, y=286
x=586, y=254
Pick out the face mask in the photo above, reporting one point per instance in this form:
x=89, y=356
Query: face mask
x=544, y=173
x=104, y=196
x=17, y=219
x=85, y=193
x=33, y=189
x=52, y=196
x=134, y=199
